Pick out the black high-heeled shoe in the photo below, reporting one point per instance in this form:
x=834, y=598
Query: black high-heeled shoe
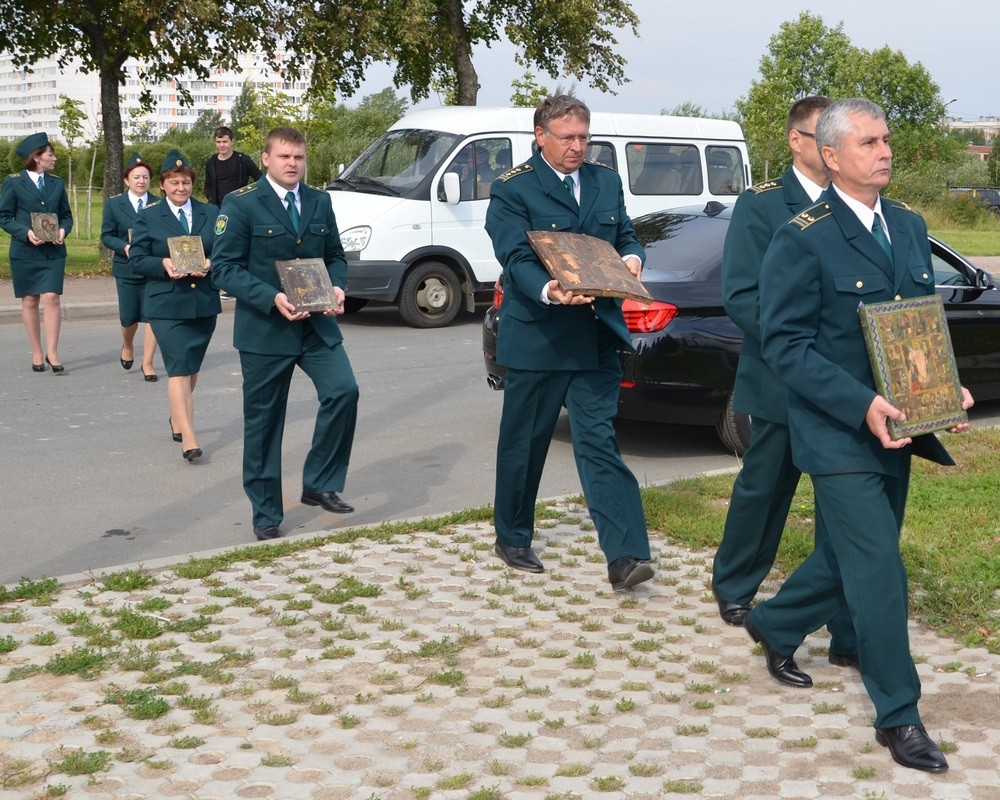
x=125, y=364
x=54, y=367
x=192, y=454
x=37, y=367
x=150, y=378
x=173, y=434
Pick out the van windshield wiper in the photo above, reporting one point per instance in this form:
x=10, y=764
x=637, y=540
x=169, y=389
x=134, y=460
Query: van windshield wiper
x=343, y=181
x=358, y=182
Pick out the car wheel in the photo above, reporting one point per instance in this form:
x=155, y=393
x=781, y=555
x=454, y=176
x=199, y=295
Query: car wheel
x=734, y=429
x=354, y=304
x=431, y=296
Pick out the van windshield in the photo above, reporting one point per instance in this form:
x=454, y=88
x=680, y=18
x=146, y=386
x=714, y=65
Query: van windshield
x=399, y=161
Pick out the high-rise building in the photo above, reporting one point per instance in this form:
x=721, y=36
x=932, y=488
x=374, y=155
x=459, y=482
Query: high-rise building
x=29, y=100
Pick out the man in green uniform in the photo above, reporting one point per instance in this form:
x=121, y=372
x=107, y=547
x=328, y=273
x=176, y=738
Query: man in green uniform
x=763, y=491
x=279, y=218
x=852, y=247
x=559, y=347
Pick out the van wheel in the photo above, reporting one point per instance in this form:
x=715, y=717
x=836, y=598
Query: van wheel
x=354, y=304
x=734, y=429
x=431, y=296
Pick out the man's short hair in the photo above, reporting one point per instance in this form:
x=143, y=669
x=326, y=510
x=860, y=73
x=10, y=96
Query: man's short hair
x=558, y=106
x=222, y=130
x=803, y=109
x=284, y=134
x=835, y=122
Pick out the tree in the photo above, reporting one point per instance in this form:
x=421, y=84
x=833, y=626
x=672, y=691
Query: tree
x=71, y=119
x=431, y=41
x=170, y=38
x=527, y=92
x=686, y=109
x=807, y=57
x=993, y=165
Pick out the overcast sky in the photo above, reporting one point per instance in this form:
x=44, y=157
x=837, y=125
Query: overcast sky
x=709, y=52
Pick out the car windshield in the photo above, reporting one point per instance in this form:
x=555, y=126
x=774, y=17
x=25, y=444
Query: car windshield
x=398, y=161
x=682, y=244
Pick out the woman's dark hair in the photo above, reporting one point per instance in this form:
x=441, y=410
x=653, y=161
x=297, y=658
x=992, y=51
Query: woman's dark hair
x=32, y=161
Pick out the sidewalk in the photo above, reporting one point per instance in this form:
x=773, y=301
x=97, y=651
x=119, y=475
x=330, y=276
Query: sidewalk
x=418, y=666
x=82, y=298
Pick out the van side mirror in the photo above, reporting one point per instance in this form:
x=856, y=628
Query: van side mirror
x=452, y=188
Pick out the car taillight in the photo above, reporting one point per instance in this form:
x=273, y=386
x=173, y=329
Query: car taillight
x=646, y=319
x=497, y=294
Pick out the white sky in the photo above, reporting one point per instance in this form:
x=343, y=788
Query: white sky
x=709, y=52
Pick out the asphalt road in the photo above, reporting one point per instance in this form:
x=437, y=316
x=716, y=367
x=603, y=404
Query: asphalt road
x=91, y=479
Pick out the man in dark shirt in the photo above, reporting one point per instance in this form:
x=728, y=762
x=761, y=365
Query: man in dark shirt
x=229, y=169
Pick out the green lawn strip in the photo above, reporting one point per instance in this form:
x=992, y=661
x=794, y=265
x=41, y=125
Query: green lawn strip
x=950, y=540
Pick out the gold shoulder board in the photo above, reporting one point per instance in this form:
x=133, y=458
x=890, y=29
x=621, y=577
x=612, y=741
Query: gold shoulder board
x=520, y=169
x=766, y=186
x=899, y=204
x=244, y=189
x=154, y=203
x=811, y=215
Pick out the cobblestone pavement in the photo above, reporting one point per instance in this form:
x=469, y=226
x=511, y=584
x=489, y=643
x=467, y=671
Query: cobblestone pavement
x=418, y=666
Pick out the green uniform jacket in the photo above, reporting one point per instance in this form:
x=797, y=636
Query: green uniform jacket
x=819, y=267
x=533, y=335
x=18, y=198
x=253, y=231
x=758, y=213
x=119, y=218
x=166, y=298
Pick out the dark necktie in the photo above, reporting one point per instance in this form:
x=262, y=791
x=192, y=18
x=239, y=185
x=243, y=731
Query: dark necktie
x=879, y=233
x=138, y=206
x=293, y=212
x=41, y=181
x=182, y=218
x=568, y=180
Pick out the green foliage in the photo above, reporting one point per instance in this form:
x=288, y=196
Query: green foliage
x=338, y=134
x=30, y=590
x=807, y=57
x=527, y=93
x=994, y=162
x=431, y=42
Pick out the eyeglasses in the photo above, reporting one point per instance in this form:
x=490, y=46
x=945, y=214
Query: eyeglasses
x=804, y=133
x=566, y=141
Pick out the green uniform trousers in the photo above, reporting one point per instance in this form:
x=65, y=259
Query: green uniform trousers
x=758, y=509
x=266, y=379
x=531, y=406
x=858, y=566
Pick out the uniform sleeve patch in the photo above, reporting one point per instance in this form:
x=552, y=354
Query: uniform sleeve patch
x=220, y=224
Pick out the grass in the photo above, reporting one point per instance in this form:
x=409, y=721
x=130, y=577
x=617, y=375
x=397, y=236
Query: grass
x=949, y=539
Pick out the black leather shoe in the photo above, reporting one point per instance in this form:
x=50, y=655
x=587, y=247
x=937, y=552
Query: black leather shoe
x=150, y=378
x=192, y=454
x=173, y=434
x=55, y=367
x=265, y=532
x=37, y=367
x=329, y=500
x=782, y=668
x=125, y=364
x=731, y=613
x=846, y=660
x=628, y=572
x=912, y=747
x=522, y=558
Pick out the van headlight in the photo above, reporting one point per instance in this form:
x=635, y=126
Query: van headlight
x=355, y=239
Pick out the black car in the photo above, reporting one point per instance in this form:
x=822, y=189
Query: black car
x=687, y=348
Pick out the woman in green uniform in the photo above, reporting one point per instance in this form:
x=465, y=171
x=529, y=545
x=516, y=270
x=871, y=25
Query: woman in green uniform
x=180, y=302
x=37, y=263
x=120, y=213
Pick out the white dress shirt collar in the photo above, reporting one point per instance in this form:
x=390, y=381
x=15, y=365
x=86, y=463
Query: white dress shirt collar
x=281, y=191
x=813, y=189
x=863, y=213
